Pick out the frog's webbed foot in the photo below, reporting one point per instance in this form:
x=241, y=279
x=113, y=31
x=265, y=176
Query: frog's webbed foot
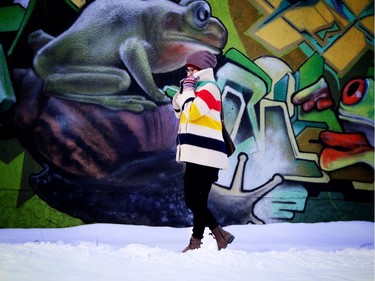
x=99, y=85
x=131, y=103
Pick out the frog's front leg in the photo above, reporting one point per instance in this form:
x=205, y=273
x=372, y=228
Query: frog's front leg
x=136, y=60
x=87, y=80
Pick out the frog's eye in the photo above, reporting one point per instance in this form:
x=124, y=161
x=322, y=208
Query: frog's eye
x=354, y=91
x=202, y=14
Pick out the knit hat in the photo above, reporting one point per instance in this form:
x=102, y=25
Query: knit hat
x=201, y=60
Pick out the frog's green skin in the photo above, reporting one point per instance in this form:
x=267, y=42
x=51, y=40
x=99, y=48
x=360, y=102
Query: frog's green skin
x=91, y=61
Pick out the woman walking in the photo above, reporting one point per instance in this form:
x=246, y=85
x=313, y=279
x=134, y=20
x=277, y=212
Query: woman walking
x=200, y=144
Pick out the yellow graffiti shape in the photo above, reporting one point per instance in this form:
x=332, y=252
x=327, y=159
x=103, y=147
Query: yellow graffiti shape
x=346, y=50
x=286, y=30
x=278, y=35
x=357, y=6
x=320, y=18
x=79, y=3
x=368, y=23
x=267, y=7
x=311, y=23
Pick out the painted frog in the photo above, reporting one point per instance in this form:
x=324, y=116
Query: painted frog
x=356, y=143
x=113, y=40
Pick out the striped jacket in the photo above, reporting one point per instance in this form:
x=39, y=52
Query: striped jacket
x=200, y=138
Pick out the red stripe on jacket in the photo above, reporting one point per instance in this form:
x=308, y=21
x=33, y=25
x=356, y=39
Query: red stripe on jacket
x=209, y=99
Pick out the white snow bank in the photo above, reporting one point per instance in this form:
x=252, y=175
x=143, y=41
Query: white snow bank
x=284, y=251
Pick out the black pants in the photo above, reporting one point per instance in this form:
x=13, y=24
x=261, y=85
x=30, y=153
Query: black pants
x=197, y=185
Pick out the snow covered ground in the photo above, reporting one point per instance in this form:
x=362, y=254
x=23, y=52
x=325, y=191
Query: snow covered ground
x=282, y=251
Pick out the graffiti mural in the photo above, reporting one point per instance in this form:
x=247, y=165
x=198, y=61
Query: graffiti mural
x=88, y=131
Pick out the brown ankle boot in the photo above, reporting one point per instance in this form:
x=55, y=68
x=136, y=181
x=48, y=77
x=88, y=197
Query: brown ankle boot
x=223, y=238
x=194, y=243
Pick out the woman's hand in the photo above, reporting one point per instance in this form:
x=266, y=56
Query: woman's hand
x=189, y=82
